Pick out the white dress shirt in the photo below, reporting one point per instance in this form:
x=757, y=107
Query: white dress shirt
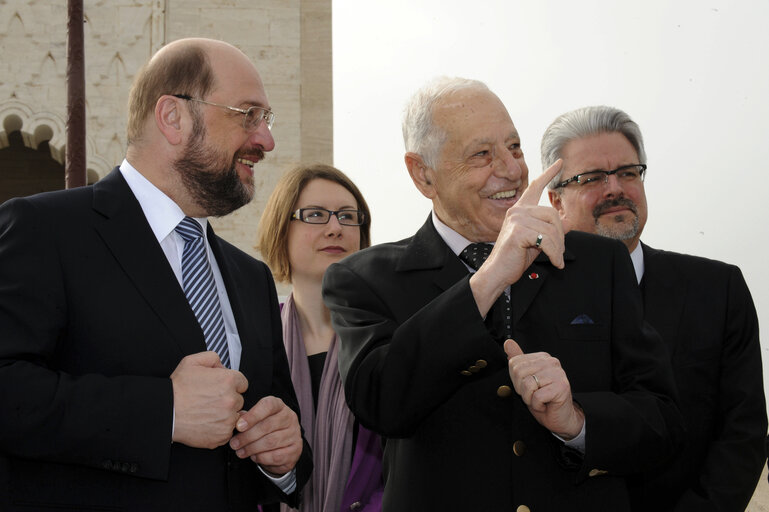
x=637, y=257
x=163, y=215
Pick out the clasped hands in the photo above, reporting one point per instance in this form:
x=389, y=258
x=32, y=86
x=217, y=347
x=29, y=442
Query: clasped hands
x=208, y=404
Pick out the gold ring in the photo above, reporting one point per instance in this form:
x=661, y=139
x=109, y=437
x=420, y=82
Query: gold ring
x=536, y=380
x=539, y=240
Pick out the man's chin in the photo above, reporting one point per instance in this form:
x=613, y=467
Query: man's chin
x=618, y=231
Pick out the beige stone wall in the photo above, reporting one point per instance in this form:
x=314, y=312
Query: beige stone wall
x=289, y=40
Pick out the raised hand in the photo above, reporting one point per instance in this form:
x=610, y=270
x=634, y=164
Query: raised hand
x=527, y=230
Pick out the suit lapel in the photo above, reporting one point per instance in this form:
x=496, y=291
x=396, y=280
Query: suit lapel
x=661, y=290
x=525, y=290
x=428, y=251
x=127, y=234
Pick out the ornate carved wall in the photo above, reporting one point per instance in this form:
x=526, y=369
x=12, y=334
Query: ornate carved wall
x=289, y=40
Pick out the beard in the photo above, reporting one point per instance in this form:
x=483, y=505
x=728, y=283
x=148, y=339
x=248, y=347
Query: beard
x=211, y=180
x=618, y=229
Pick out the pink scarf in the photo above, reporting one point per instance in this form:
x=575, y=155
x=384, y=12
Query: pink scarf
x=330, y=431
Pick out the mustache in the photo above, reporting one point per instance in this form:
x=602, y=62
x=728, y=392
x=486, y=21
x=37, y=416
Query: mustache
x=256, y=155
x=601, y=208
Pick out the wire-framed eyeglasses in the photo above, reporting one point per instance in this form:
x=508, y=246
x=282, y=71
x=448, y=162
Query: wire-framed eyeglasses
x=252, y=116
x=322, y=216
x=626, y=174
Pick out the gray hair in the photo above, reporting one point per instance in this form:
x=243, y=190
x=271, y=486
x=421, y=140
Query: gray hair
x=584, y=122
x=420, y=135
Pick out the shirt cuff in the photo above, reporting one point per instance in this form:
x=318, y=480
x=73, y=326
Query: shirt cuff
x=286, y=483
x=578, y=443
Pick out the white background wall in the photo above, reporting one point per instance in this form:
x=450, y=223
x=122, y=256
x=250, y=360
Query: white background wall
x=694, y=74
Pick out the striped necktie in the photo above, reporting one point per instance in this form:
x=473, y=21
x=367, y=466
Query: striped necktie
x=474, y=255
x=200, y=288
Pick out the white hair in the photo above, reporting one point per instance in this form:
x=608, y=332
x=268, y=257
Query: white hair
x=585, y=122
x=420, y=134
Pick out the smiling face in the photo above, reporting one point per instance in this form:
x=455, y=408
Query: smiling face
x=217, y=163
x=313, y=247
x=615, y=209
x=481, y=171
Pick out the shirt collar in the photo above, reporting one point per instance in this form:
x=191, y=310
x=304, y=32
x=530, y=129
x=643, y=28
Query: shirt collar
x=162, y=213
x=637, y=257
x=454, y=240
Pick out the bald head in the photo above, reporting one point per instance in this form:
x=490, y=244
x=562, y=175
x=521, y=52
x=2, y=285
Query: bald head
x=180, y=67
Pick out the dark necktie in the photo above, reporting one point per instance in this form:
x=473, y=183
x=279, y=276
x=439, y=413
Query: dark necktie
x=200, y=288
x=474, y=255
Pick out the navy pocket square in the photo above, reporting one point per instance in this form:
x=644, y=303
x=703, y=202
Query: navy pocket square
x=582, y=319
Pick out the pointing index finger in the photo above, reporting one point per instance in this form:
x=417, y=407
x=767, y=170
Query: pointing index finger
x=534, y=191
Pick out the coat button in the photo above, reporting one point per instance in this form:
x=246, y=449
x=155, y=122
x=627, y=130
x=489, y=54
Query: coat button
x=480, y=363
x=356, y=505
x=504, y=391
x=522, y=508
x=465, y=373
x=474, y=369
x=519, y=448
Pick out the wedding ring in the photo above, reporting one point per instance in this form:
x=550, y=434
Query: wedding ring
x=539, y=240
x=536, y=380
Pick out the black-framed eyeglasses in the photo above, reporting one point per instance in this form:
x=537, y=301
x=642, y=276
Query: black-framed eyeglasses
x=626, y=174
x=252, y=116
x=322, y=216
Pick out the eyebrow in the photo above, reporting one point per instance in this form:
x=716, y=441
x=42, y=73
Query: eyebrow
x=620, y=166
x=346, y=207
x=480, y=141
x=246, y=104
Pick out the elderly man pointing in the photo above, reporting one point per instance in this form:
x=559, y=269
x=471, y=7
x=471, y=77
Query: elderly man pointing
x=506, y=364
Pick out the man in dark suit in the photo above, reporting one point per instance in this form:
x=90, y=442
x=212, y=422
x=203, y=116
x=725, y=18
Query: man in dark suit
x=701, y=308
x=109, y=398
x=581, y=393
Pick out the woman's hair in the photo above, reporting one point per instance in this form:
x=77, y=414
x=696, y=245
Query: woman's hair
x=273, y=226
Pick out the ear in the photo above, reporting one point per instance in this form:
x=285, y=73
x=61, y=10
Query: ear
x=555, y=201
x=422, y=175
x=168, y=118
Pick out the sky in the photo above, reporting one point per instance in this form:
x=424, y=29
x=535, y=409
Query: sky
x=691, y=73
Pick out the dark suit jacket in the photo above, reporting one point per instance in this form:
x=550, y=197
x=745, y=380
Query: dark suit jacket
x=93, y=323
x=421, y=368
x=703, y=310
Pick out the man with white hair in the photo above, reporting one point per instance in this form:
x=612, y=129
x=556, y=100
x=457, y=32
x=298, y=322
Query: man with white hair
x=701, y=308
x=508, y=368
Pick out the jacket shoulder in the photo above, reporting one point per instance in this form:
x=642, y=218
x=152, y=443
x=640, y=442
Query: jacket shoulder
x=686, y=263
x=371, y=257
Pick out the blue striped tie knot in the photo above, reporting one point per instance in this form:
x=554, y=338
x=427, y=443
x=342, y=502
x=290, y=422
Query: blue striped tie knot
x=200, y=288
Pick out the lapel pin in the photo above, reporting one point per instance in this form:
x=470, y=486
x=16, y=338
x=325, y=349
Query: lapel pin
x=533, y=275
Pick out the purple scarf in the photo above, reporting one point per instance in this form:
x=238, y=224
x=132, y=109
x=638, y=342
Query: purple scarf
x=330, y=431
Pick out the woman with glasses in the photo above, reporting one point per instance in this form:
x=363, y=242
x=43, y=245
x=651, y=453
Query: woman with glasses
x=315, y=217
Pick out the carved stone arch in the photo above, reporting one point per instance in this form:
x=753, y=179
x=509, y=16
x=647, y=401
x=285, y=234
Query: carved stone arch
x=39, y=127
x=35, y=127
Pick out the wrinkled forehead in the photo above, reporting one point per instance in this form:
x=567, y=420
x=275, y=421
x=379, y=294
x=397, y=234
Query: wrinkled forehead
x=468, y=116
